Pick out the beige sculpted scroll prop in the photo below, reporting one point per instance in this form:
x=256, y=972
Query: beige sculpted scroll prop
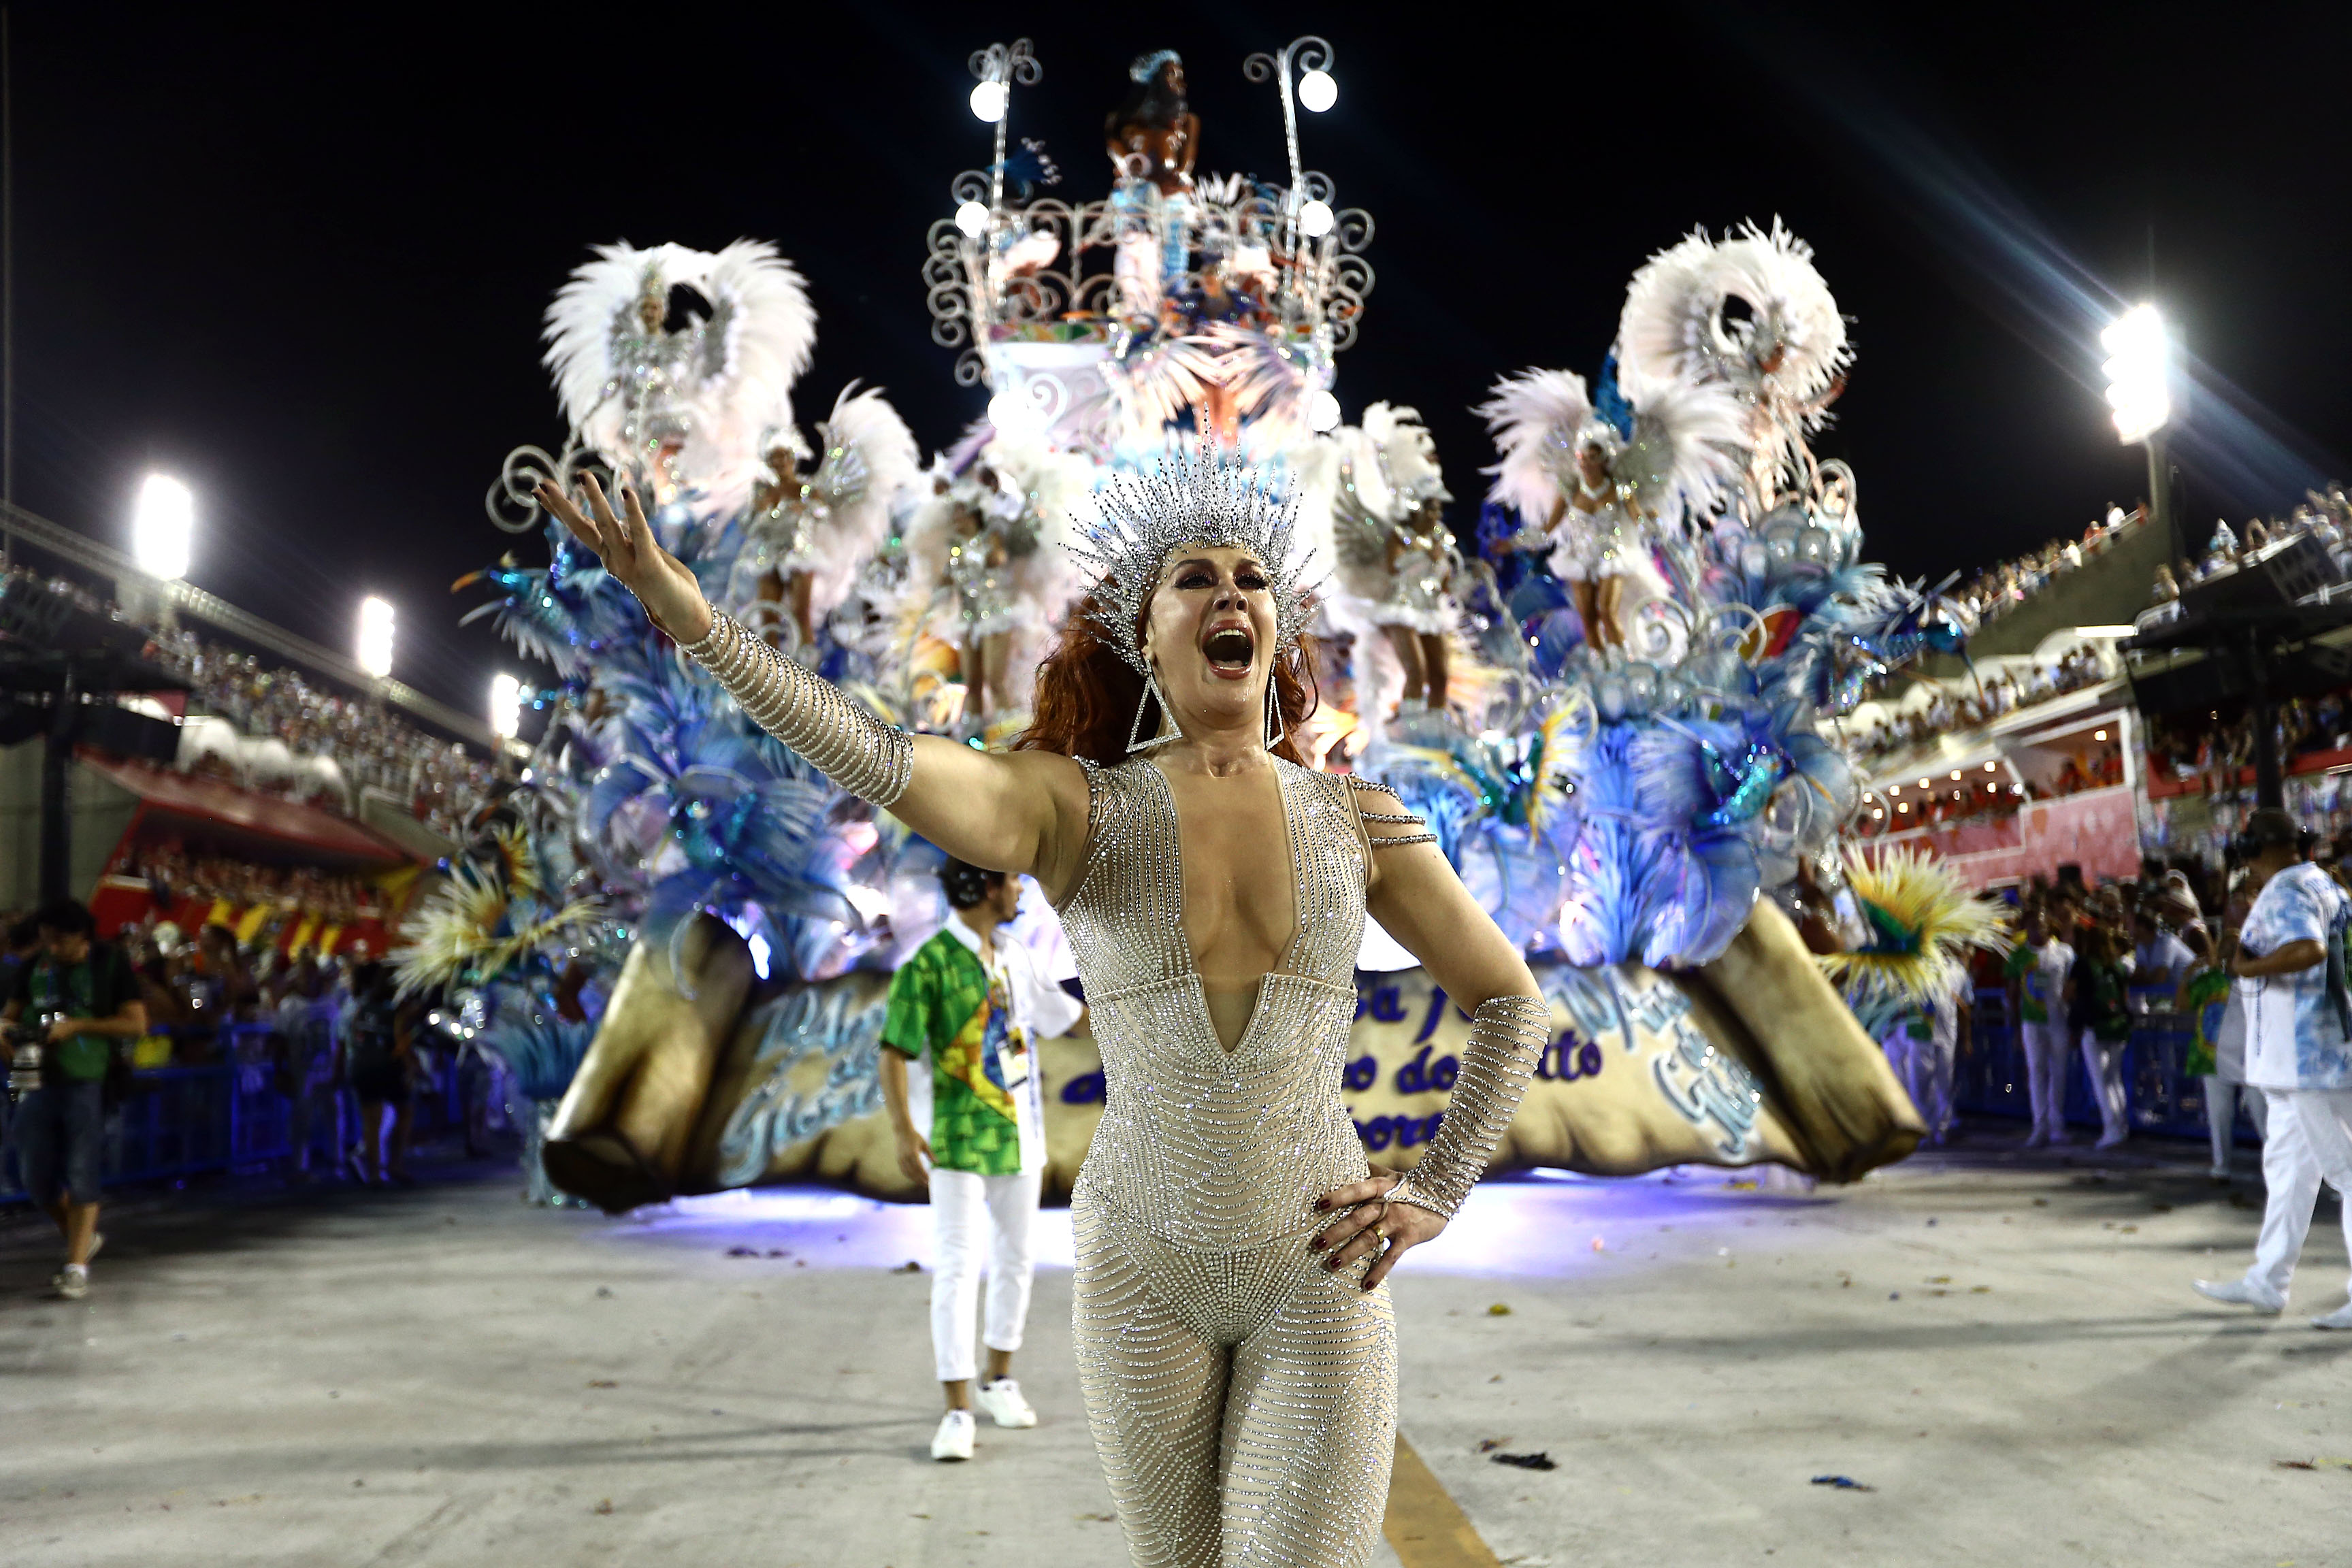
x=1752, y=1059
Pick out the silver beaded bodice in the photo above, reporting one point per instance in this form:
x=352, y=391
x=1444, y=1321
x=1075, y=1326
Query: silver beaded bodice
x=1200, y=1147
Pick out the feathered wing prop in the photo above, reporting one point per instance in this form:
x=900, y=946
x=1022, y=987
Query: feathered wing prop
x=1689, y=440
x=763, y=332
x=1270, y=376
x=868, y=461
x=1154, y=385
x=1535, y=416
x=1792, y=341
x=731, y=372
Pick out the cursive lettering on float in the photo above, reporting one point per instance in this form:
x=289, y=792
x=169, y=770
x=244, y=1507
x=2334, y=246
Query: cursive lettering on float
x=1706, y=1086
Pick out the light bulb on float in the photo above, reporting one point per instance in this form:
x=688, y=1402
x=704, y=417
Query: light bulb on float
x=1322, y=411
x=973, y=219
x=1317, y=91
x=162, y=526
x=988, y=101
x=1014, y=417
x=1315, y=219
x=375, y=637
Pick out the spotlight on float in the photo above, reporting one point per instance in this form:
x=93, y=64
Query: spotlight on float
x=2139, y=374
x=1317, y=91
x=162, y=526
x=375, y=637
x=506, y=706
x=1322, y=411
x=1315, y=219
x=988, y=100
x=973, y=219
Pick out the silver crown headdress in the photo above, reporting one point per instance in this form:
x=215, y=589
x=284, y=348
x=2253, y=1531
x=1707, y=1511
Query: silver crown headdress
x=1196, y=495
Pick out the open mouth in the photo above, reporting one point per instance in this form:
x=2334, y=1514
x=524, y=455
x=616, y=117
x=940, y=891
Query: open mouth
x=1229, y=651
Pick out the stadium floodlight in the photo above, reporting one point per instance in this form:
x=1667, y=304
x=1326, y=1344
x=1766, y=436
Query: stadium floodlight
x=2139, y=374
x=162, y=526
x=506, y=706
x=375, y=637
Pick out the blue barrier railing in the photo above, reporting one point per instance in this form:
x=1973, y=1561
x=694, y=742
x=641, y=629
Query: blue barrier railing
x=1989, y=1078
x=235, y=1114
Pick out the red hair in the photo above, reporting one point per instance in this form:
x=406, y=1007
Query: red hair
x=1088, y=695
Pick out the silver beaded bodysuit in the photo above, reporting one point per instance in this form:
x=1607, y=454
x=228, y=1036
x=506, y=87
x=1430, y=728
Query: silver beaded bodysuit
x=1242, y=1397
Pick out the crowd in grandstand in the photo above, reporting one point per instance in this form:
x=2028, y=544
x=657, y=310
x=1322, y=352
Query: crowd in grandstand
x=1996, y=590
x=1876, y=743
x=371, y=746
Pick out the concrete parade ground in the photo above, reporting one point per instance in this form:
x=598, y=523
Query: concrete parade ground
x=2000, y=1350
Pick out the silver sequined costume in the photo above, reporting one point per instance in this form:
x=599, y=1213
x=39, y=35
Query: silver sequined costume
x=1242, y=1397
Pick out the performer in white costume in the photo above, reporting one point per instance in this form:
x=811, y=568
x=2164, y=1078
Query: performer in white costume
x=2289, y=967
x=1607, y=485
x=1397, y=558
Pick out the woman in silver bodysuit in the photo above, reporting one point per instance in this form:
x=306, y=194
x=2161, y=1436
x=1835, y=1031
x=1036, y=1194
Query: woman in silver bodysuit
x=1235, y=1347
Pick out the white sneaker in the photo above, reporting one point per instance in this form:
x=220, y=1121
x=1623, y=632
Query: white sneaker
x=2339, y=1319
x=2243, y=1293
x=953, y=1439
x=71, y=1283
x=1003, y=1400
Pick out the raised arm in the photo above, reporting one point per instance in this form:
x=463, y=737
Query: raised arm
x=1023, y=812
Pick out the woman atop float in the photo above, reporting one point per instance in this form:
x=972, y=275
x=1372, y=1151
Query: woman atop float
x=1235, y=1347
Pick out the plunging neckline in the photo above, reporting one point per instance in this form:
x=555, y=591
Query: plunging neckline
x=1297, y=904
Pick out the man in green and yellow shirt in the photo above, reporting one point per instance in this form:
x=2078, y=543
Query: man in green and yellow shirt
x=973, y=1006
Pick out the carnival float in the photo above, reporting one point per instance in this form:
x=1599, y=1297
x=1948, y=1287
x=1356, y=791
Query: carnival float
x=1617, y=707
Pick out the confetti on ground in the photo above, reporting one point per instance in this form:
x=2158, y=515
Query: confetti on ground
x=1526, y=1461
x=602, y=1383
x=1842, y=1483
x=1499, y=1310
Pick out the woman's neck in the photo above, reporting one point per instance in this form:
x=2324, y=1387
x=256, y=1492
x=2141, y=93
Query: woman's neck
x=1219, y=753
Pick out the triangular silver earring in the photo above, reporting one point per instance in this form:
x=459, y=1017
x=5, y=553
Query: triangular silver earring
x=1272, y=711
x=1135, y=731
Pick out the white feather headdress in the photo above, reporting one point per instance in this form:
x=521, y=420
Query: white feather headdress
x=1675, y=326
x=736, y=367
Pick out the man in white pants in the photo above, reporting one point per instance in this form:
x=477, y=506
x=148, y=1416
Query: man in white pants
x=974, y=1005
x=2298, y=1053
x=2037, y=973
x=1922, y=1048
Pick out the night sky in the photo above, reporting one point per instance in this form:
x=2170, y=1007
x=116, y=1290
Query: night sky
x=298, y=258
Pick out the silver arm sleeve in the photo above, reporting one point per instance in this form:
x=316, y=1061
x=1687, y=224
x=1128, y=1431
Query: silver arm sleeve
x=1508, y=1036
x=870, y=759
